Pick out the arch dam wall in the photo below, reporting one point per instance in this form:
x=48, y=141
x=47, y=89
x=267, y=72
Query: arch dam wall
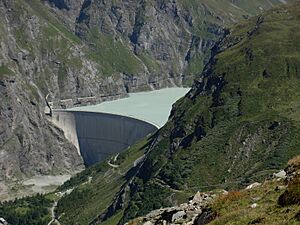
x=99, y=135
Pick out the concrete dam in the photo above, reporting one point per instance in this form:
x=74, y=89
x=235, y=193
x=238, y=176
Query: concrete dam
x=98, y=135
x=99, y=131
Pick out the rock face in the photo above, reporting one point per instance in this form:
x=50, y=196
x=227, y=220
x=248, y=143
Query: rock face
x=169, y=41
x=30, y=144
x=25, y=125
x=33, y=64
x=195, y=212
x=157, y=30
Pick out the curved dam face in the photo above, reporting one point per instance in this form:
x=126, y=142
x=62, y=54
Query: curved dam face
x=99, y=135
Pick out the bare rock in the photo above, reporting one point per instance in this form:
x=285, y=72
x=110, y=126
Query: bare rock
x=254, y=185
x=178, y=215
x=254, y=205
x=281, y=174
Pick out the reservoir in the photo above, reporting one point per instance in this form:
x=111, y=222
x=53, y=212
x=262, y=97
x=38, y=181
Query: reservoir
x=153, y=107
x=102, y=130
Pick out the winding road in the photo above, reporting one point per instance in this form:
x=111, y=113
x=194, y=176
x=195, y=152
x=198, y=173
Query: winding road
x=54, y=220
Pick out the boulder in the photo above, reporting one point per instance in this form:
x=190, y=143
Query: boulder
x=254, y=185
x=281, y=174
x=254, y=205
x=178, y=216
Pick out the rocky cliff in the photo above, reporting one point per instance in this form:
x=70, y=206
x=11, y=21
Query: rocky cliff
x=40, y=56
x=30, y=145
x=169, y=41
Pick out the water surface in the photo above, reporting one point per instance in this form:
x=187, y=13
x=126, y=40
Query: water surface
x=153, y=106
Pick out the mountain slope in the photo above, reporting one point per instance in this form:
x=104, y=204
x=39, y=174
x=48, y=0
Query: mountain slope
x=172, y=39
x=240, y=121
x=238, y=124
x=29, y=143
x=82, y=52
x=39, y=56
x=259, y=203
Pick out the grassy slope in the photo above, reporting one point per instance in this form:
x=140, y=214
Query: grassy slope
x=106, y=182
x=249, y=100
x=275, y=201
x=206, y=24
x=113, y=55
x=234, y=208
x=245, y=129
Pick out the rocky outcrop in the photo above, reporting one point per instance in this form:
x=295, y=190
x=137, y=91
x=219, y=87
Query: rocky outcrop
x=68, y=10
x=195, y=212
x=291, y=196
x=30, y=145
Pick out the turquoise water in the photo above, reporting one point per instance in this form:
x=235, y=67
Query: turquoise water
x=154, y=106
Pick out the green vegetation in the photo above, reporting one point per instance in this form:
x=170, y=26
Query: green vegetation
x=235, y=207
x=112, y=55
x=154, y=196
x=100, y=182
x=114, y=219
x=241, y=124
x=39, y=9
x=195, y=66
x=5, y=71
x=152, y=65
x=227, y=11
x=29, y=210
x=207, y=24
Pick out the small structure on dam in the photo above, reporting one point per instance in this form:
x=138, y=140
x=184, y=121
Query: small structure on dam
x=99, y=135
